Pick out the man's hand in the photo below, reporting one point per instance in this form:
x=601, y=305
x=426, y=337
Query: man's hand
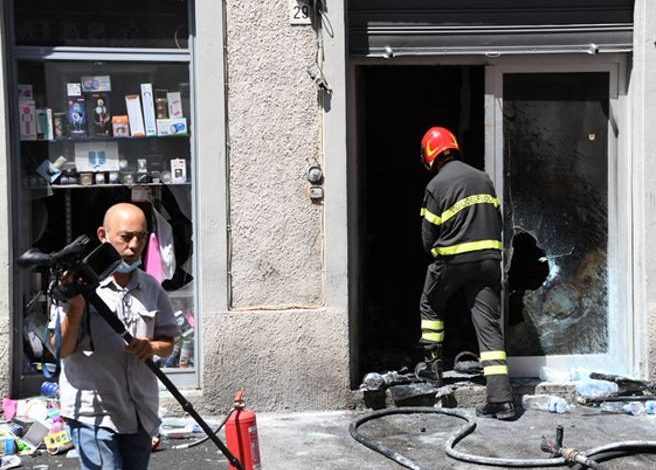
x=142, y=348
x=68, y=287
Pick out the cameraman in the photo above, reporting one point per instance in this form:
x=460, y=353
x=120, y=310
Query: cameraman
x=109, y=397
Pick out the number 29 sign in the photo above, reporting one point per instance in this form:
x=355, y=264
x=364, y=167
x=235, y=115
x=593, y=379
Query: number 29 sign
x=299, y=12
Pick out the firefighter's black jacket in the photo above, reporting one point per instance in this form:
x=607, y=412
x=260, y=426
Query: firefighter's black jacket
x=461, y=215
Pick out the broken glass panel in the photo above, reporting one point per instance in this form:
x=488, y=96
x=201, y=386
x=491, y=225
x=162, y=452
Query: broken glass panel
x=556, y=212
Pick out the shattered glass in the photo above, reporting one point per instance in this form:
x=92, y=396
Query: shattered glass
x=556, y=212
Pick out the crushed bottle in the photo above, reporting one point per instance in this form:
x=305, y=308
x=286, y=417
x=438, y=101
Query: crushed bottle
x=549, y=403
x=593, y=388
x=621, y=407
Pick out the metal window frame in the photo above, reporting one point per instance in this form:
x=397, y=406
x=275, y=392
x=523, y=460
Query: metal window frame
x=622, y=335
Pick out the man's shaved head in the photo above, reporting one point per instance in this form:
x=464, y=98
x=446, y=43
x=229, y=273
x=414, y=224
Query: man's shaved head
x=125, y=227
x=122, y=211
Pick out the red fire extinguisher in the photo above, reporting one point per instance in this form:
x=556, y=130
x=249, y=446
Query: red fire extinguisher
x=241, y=435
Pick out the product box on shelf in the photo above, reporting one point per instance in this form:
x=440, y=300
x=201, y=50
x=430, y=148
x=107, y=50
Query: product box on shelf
x=175, y=104
x=44, y=129
x=148, y=109
x=178, y=170
x=27, y=119
x=133, y=105
x=120, y=126
x=25, y=91
x=100, y=118
x=95, y=83
x=77, y=117
x=59, y=122
x=172, y=126
x=73, y=89
x=96, y=156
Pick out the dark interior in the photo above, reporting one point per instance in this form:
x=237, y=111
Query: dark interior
x=397, y=104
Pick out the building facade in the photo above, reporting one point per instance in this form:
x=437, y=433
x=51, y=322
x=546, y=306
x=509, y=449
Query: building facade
x=298, y=285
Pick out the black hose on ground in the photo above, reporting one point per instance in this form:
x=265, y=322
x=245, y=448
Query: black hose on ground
x=203, y=439
x=613, y=450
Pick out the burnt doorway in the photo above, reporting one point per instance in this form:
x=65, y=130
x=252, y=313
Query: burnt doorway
x=395, y=106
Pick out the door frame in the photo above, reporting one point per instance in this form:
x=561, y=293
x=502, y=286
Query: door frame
x=621, y=358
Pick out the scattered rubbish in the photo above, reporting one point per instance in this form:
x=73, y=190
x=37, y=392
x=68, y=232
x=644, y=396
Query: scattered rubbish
x=549, y=374
x=9, y=408
x=35, y=435
x=372, y=382
x=650, y=407
x=626, y=386
x=50, y=389
x=588, y=384
x=549, y=403
x=473, y=366
x=10, y=461
x=629, y=408
x=7, y=445
x=415, y=394
x=591, y=388
x=181, y=428
x=40, y=416
x=154, y=443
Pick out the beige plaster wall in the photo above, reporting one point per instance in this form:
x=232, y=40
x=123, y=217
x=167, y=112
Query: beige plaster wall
x=267, y=325
x=273, y=134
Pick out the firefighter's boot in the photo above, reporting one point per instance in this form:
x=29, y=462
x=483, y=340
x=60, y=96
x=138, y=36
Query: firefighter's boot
x=504, y=410
x=430, y=369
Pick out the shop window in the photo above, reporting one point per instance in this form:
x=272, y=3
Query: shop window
x=91, y=133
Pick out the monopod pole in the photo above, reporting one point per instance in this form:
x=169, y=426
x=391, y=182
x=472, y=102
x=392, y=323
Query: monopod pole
x=103, y=310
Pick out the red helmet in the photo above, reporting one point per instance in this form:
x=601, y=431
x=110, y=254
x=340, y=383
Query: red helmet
x=436, y=141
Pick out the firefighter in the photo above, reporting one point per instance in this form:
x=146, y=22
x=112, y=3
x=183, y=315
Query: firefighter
x=461, y=228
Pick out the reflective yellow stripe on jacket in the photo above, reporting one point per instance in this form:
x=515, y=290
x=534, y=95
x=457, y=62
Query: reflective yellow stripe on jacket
x=458, y=206
x=467, y=247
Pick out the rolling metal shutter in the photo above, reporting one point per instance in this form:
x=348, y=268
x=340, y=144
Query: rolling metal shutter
x=489, y=27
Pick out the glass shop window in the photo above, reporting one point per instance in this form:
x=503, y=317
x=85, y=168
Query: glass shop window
x=92, y=133
x=556, y=198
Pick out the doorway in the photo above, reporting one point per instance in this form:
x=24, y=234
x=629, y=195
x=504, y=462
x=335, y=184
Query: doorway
x=395, y=106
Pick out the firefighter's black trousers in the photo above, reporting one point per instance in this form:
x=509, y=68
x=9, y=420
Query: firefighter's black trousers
x=481, y=283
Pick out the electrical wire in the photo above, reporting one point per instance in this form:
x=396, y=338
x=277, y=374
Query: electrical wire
x=607, y=451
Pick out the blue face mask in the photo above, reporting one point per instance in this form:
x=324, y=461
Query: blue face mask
x=126, y=268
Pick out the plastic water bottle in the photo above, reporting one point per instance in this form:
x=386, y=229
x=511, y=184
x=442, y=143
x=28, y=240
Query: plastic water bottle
x=650, y=407
x=629, y=408
x=591, y=388
x=550, y=403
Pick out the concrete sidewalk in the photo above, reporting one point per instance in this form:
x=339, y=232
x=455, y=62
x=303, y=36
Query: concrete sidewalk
x=320, y=440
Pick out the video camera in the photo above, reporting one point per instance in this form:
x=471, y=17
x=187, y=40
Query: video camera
x=79, y=258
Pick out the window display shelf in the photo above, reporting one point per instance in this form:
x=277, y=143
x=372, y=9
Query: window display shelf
x=106, y=139
x=113, y=185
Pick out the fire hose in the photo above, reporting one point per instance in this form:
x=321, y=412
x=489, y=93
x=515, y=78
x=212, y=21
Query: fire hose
x=560, y=455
